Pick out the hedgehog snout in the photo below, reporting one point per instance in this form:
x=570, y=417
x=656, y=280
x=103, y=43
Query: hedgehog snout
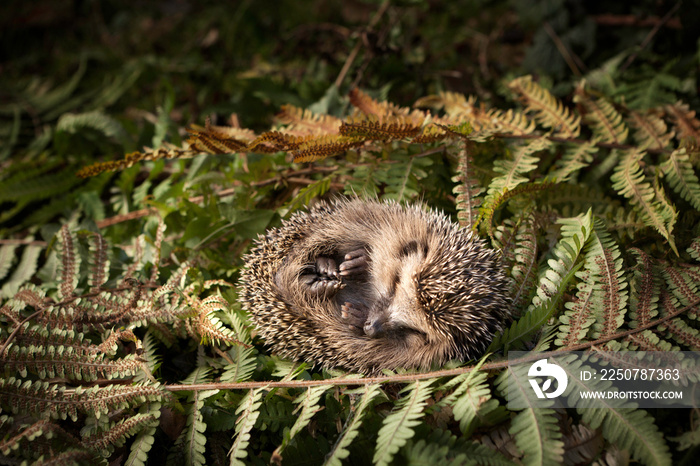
x=374, y=326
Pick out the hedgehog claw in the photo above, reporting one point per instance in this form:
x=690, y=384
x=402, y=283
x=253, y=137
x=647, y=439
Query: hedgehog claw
x=324, y=281
x=354, y=315
x=354, y=262
x=326, y=267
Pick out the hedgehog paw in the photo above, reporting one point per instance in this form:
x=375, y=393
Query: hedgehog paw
x=354, y=262
x=354, y=315
x=324, y=281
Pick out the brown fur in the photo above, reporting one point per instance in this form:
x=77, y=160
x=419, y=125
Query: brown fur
x=427, y=291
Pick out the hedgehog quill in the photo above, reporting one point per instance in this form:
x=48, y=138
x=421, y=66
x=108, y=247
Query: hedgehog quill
x=369, y=285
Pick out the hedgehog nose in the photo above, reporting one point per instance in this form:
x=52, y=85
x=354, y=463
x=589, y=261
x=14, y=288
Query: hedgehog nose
x=373, y=327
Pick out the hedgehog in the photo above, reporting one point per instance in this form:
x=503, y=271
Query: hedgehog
x=368, y=285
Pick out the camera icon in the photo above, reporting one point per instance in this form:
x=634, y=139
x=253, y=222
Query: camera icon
x=552, y=371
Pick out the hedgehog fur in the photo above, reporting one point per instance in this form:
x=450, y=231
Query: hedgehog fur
x=369, y=285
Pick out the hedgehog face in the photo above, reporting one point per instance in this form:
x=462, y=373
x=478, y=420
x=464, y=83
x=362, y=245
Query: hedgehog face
x=396, y=313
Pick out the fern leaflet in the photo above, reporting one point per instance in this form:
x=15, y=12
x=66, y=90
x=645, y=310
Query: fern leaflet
x=340, y=449
x=628, y=179
x=549, y=111
x=681, y=176
x=248, y=411
x=398, y=426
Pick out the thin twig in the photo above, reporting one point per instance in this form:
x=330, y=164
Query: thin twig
x=353, y=53
x=424, y=375
x=565, y=53
x=650, y=36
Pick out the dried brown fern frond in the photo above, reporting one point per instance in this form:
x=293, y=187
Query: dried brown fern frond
x=168, y=151
x=324, y=146
x=393, y=127
x=384, y=110
x=301, y=122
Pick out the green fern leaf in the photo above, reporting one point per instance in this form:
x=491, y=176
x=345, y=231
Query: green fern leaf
x=606, y=122
x=398, y=426
x=308, y=404
x=7, y=255
x=535, y=429
x=511, y=171
x=630, y=429
x=476, y=405
x=628, y=179
x=74, y=123
x=248, y=411
x=651, y=131
x=340, y=449
x=602, y=257
x=575, y=157
x=552, y=283
x=140, y=447
x=191, y=444
x=24, y=270
x=549, y=111
x=243, y=366
x=681, y=176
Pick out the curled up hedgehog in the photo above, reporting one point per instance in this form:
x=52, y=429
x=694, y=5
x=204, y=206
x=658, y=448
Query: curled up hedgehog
x=369, y=285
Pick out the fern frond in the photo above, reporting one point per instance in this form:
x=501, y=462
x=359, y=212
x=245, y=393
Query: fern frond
x=104, y=442
x=466, y=189
x=650, y=131
x=403, y=179
x=191, y=444
x=575, y=157
x=324, y=146
x=398, y=426
x=524, y=260
x=248, y=411
x=59, y=361
x=687, y=125
x=628, y=179
x=605, y=254
x=681, y=176
x=475, y=406
x=630, y=429
x=645, y=290
x=694, y=249
x=142, y=444
x=582, y=444
x=302, y=122
x=41, y=398
x=69, y=264
x=382, y=111
x=553, y=282
x=511, y=171
x=309, y=405
x=168, y=151
x=23, y=272
x=244, y=363
x=606, y=122
x=99, y=262
x=340, y=449
x=509, y=122
x=534, y=429
x=389, y=129
x=549, y=111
